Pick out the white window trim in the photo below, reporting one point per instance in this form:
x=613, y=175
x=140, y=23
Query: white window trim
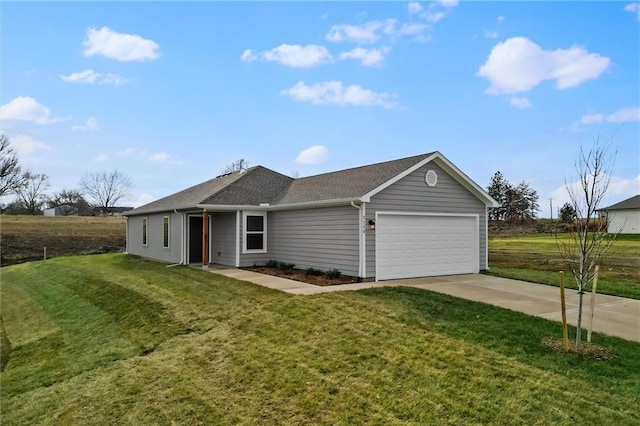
x=244, y=231
x=168, y=246
x=145, y=231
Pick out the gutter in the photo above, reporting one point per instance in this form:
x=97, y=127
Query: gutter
x=275, y=207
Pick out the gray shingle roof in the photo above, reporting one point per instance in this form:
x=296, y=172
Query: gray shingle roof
x=189, y=197
x=349, y=183
x=259, y=185
x=629, y=203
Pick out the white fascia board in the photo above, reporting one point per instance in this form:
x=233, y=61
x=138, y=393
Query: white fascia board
x=447, y=166
x=276, y=207
x=310, y=204
x=465, y=181
x=226, y=208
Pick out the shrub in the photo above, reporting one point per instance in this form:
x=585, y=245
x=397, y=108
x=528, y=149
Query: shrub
x=333, y=274
x=272, y=264
x=314, y=272
x=286, y=267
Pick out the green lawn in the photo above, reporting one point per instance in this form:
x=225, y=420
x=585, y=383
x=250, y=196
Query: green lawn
x=116, y=339
x=536, y=259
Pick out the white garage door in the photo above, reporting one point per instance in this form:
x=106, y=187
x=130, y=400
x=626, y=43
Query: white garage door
x=421, y=245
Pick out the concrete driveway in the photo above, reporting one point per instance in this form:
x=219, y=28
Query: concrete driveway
x=616, y=316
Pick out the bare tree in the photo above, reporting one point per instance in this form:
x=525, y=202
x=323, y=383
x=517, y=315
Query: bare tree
x=105, y=189
x=589, y=241
x=11, y=177
x=31, y=195
x=237, y=166
x=70, y=201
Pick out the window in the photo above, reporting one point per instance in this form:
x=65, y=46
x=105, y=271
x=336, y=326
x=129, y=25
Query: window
x=145, y=231
x=255, y=225
x=165, y=230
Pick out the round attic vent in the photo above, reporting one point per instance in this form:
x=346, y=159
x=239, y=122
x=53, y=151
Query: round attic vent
x=431, y=178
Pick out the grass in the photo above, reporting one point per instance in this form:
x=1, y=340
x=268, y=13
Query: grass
x=24, y=238
x=189, y=347
x=65, y=226
x=536, y=259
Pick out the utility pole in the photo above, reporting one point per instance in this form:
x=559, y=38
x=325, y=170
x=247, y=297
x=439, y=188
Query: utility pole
x=551, y=207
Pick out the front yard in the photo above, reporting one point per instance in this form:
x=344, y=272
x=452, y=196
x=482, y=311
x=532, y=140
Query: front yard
x=536, y=259
x=116, y=339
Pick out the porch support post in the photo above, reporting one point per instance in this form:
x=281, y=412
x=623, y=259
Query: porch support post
x=205, y=239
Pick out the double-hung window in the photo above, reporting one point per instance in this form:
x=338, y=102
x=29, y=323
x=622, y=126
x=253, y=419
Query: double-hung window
x=145, y=231
x=165, y=230
x=255, y=232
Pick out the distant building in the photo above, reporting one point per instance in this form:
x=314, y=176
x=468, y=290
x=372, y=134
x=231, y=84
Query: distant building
x=64, y=210
x=624, y=217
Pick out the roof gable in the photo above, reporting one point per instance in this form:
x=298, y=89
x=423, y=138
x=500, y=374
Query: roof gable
x=628, y=204
x=349, y=183
x=259, y=186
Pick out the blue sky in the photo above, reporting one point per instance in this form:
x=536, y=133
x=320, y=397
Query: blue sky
x=169, y=93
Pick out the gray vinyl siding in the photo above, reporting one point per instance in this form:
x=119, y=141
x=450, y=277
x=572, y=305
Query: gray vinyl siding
x=323, y=238
x=223, y=238
x=155, y=241
x=411, y=194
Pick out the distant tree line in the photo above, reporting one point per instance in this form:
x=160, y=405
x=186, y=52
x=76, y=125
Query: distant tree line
x=517, y=202
x=98, y=192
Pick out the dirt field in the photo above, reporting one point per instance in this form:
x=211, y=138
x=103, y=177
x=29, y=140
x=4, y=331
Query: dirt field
x=25, y=237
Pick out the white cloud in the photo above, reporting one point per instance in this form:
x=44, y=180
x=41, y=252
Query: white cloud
x=633, y=8
x=334, y=92
x=520, y=102
x=296, y=56
x=500, y=19
x=414, y=7
x=491, y=34
x=592, y=118
x=367, y=57
x=291, y=55
x=24, y=144
x=90, y=76
x=101, y=158
x=140, y=199
x=433, y=17
x=25, y=108
x=91, y=124
x=412, y=28
x=368, y=32
x=518, y=65
x=448, y=3
x=159, y=157
x=248, y=56
x=119, y=46
x=624, y=115
x=619, y=189
x=313, y=155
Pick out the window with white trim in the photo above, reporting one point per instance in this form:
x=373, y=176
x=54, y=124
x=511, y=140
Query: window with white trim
x=165, y=230
x=145, y=231
x=255, y=232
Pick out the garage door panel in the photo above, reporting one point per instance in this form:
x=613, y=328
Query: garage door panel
x=425, y=245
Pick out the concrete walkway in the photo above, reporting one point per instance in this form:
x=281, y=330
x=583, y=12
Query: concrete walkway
x=616, y=316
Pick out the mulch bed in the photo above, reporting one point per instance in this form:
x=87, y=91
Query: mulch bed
x=301, y=275
x=586, y=350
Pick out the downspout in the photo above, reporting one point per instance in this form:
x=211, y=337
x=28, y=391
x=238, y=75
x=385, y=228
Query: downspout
x=182, y=240
x=126, y=237
x=360, y=240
